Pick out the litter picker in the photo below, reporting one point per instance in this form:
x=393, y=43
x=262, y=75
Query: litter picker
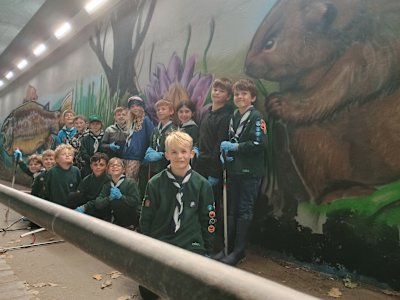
x=225, y=203
x=12, y=185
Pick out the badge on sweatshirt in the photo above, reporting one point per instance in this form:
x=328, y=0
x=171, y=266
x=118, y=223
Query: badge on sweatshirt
x=211, y=228
x=147, y=203
x=263, y=126
x=192, y=204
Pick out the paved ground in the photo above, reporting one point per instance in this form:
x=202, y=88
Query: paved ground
x=61, y=271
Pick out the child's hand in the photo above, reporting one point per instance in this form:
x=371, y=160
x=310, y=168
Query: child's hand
x=115, y=193
x=17, y=155
x=114, y=147
x=196, y=151
x=212, y=180
x=152, y=155
x=228, y=146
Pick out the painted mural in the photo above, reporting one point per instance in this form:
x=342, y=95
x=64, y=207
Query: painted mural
x=328, y=75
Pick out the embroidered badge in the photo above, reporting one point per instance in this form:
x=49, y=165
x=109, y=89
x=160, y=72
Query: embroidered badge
x=210, y=207
x=192, y=204
x=211, y=228
x=211, y=214
x=147, y=203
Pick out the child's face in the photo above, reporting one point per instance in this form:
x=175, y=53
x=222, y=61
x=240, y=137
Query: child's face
x=243, y=99
x=95, y=126
x=164, y=113
x=120, y=117
x=65, y=157
x=184, y=114
x=48, y=162
x=219, y=96
x=98, y=167
x=179, y=157
x=34, y=166
x=136, y=109
x=69, y=118
x=80, y=125
x=116, y=169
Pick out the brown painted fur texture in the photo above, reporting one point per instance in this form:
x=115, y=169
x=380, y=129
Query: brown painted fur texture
x=338, y=66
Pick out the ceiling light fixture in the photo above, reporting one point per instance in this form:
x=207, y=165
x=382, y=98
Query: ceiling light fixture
x=9, y=75
x=62, y=30
x=22, y=64
x=1, y=83
x=39, y=49
x=93, y=5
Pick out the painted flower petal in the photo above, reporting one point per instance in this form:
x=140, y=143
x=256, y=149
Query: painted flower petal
x=188, y=71
x=174, y=70
x=201, y=90
x=192, y=84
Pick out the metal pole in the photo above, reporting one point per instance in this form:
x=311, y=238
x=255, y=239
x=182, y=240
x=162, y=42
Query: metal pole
x=169, y=271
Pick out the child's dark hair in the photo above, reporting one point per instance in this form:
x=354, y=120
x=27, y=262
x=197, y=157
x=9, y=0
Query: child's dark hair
x=245, y=85
x=224, y=84
x=189, y=104
x=99, y=156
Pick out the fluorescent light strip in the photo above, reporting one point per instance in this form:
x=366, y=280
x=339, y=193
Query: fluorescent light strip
x=22, y=64
x=39, y=49
x=93, y=5
x=62, y=30
x=9, y=75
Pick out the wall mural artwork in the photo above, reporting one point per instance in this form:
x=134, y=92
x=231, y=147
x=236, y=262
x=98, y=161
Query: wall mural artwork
x=328, y=74
x=335, y=118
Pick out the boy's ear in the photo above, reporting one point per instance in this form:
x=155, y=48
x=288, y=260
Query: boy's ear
x=166, y=155
x=192, y=154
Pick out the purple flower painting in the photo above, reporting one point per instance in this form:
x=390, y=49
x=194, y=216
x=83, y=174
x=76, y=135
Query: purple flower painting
x=177, y=82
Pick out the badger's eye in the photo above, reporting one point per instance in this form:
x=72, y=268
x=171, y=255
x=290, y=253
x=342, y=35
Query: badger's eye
x=269, y=44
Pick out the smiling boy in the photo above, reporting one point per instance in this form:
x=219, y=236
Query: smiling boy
x=178, y=206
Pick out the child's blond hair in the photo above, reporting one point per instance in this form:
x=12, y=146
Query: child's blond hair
x=66, y=112
x=178, y=138
x=48, y=153
x=63, y=147
x=165, y=102
x=115, y=160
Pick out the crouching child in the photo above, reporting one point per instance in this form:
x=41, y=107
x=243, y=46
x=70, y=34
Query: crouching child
x=120, y=196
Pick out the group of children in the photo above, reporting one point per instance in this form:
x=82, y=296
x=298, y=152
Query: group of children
x=167, y=179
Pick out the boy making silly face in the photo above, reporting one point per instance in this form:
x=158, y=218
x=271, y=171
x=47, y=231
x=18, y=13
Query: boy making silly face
x=64, y=156
x=116, y=169
x=179, y=151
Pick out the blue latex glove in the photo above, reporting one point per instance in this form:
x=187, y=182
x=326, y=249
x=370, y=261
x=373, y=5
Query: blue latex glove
x=228, y=146
x=226, y=159
x=212, y=180
x=17, y=154
x=115, y=193
x=152, y=155
x=196, y=151
x=80, y=209
x=114, y=147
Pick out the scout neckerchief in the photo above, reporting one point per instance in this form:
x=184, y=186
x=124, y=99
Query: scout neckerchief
x=96, y=139
x=121, y=127
x=161, y=130
x=179, y=202
x=235, y=134
x=119, y=182
x=68, y=131
x=188, y=123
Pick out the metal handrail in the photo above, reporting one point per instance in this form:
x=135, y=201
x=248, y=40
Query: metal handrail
x=167, y=270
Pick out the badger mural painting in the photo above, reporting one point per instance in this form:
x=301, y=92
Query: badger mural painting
x=338, y=108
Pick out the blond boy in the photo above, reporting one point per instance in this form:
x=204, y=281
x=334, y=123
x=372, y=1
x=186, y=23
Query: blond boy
x=63, y=178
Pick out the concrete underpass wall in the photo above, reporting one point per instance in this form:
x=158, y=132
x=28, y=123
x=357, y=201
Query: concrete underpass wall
x=331, y=191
